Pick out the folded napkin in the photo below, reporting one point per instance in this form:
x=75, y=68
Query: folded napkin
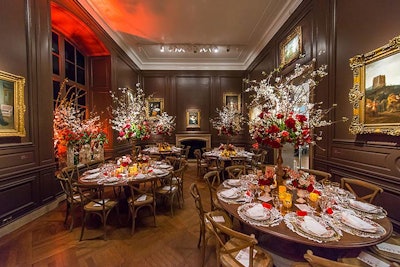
x=230, y=193
x=158, y=171
x=257, y=212
x=112, y=179
x=140, y=176
x=141, y=198
x=363, y=206
x=91, y=176
x=164, y=166
x=94, y=170
x=233, y=182
x=313, y=226
x=357, y=223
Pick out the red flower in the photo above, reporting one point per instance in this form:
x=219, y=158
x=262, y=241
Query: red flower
x=301, y=118
x=279, y=116
x=285, y=133
x=273, y=129
x=290, y=123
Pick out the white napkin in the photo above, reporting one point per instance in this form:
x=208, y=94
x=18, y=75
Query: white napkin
x=256, y=212
x=140, y=176
x=313, y=226
x=112, y=179
x=91, y=176
x=94, y=170
x=164, y=166
x=158, y=171
x=141, y=198
x=219, y=219
x=230, y=193
x=357, y=223
x=363, y=206
x=233, y=182
x=98, y=205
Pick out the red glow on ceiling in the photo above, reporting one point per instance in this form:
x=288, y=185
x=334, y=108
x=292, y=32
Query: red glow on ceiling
x=77, y=31
x=136, y=18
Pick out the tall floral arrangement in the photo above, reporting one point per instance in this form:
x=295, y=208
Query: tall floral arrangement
x=129, y=115
x=287, y=114
x=164, y=124
x=229, y=121
x=70, y=128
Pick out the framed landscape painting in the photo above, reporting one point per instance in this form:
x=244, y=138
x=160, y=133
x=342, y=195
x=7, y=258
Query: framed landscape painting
x=291, y=47
x=376, y=91
x=12, y=107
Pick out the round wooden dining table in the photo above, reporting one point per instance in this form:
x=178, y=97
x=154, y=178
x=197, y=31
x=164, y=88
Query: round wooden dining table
x=283, y=232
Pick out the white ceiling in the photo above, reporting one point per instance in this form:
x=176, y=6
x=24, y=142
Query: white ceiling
x=141, y=26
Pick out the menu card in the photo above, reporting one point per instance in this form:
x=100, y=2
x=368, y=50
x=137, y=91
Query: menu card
x=218, y=219
x=395, y=249
x=371, y=260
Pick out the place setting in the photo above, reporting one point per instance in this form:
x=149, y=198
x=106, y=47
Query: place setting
x=260, y=214
x=366, y=209
x=232, y=195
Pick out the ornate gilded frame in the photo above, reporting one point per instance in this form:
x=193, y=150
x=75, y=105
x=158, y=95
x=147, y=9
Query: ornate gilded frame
x=154, y=103
x=233, y=100
x=376, y=108
x=193, y=118
x=291, y=47
x=12, y=105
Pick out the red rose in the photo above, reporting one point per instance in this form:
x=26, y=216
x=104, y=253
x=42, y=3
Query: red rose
x=273, y=129
x=290, y=123
x=285, y=133
x=301, y=118
x=279, y=116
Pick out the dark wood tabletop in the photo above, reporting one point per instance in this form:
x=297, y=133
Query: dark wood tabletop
x=282, y=231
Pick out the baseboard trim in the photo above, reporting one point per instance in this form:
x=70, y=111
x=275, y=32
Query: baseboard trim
x=30, y=217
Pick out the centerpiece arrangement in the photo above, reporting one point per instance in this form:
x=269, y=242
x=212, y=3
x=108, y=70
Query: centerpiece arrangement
x=229, y=122
x=288, y=116
x=164, y=125
x=129, y=115
x=73, y=134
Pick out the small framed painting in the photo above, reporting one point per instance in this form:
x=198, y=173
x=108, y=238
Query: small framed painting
x=291, y=48
x=12, y=107
x=233, y=101
x=193, y=118
x=154, y=107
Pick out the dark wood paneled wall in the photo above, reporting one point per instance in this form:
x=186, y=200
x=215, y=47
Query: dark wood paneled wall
x=344, y=29
x=194, y=90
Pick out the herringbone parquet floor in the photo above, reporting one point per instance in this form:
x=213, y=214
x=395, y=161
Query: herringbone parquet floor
x=47, y=242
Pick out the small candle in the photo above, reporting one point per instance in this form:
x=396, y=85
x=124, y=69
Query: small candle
x=313, y=196
x=282, y=189
x=133, y=169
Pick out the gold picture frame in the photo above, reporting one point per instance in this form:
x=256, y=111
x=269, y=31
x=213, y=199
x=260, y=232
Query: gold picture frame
x=376, y=90
x=193, y=118
x=291, y=48
x=233, y=100
x=154, y=107
x=12, y=106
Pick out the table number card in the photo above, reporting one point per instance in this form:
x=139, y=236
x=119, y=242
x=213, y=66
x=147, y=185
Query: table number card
x=395, y=249
x=371, y=260
x=218, y=219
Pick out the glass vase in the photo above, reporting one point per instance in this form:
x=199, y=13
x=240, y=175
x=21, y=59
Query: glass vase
x=70, y=156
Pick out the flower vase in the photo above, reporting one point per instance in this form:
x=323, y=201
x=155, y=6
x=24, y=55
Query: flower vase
x=70, y=156
x=279, y=168
x=98, y=153
x=133, y=144
x=85, y=154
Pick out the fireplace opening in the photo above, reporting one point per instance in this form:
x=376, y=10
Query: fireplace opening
x=194, y=144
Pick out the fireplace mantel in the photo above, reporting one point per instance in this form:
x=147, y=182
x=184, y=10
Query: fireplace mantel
x=193, y=136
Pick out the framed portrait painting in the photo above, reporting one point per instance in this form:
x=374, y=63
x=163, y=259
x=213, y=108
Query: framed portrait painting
x=233, y=101
x=193, y=118
x=291, y=47
x=154, y=107
x=12, y=107
x=376, y=90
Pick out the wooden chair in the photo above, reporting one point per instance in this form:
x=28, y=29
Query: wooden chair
x=200, y=163
x=177, y=179
x=185, y=152
x=174, y=161
x=227, y=251
x=167, y=191
x=213, y=181
x=238, y=160
x=205, y=226
x=316, y=261
x=72, y=198
x=96, y=204
x=320, y=176
x=235, y=171
x=142, y=194
x=364, y=191
x=214, y=164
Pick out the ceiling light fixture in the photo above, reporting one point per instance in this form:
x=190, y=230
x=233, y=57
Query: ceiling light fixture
x=193, y=48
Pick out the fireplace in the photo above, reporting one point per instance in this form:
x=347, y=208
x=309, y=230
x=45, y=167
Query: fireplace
x=194, y=140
